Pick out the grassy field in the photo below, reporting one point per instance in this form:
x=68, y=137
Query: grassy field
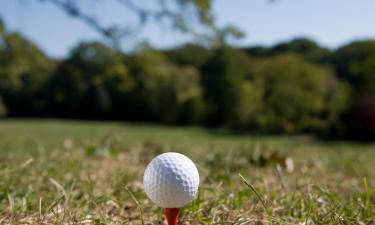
x=66, y=172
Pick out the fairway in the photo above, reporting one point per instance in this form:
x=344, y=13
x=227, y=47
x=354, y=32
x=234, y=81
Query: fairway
x=75, y=172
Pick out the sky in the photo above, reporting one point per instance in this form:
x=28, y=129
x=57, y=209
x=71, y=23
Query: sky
x=332, y=23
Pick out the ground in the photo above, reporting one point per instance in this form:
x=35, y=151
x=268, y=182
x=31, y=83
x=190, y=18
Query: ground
x=72, y=172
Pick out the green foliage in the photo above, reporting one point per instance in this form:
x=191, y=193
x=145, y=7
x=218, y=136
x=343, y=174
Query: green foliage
x=338, y=101
x=203, y=7
x=222, y=77
x=287, y=88
x=286, y=95
x=189, y=54
x=250, y=104
x=303, y=47
x=355, y=63
x=24, y=70
x=168, y=92
x=84, y=84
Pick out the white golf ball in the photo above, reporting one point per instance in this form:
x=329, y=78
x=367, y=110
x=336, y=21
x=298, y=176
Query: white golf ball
x=171, y=180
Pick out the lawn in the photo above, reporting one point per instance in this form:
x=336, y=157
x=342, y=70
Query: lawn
x=74, y=172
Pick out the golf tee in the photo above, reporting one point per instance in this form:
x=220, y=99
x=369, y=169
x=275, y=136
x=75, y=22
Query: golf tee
x=172, y=215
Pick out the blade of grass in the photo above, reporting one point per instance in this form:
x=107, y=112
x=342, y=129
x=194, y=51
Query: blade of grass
x=251, y=187
x=61, y=189
x=368, y=197
x=11, y=203
x=137, y=203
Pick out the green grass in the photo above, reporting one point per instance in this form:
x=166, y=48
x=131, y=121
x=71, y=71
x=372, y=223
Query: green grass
x=72, y=172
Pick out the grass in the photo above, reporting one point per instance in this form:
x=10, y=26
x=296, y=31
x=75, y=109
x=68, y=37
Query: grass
x=72, y=172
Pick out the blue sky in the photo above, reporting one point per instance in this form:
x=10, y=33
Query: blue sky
x=330, y=22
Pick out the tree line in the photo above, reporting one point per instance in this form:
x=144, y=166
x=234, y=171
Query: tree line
x=293, y=87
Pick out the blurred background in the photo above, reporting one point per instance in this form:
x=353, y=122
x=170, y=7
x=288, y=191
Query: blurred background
x=258, y=67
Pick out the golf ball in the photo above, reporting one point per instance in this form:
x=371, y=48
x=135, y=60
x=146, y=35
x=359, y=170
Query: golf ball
x=171, y=180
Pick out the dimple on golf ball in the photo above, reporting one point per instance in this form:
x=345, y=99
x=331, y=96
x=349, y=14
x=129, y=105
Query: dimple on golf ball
x=171, y=180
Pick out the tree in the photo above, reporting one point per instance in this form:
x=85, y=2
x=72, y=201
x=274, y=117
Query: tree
x=166, y=92
x=303, y=47
x=24, y=69
x=294, y=93
x=250, y=104
x=222, y=77
x=86, y=83
x=355, y=63
x=189, y=54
